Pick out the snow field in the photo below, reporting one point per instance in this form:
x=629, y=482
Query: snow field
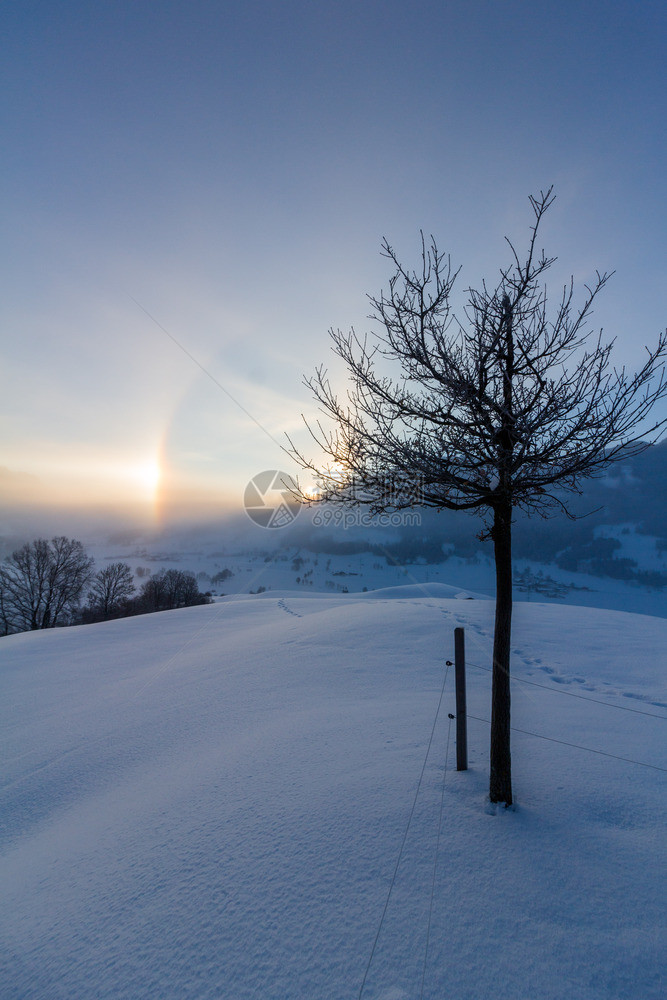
x=210, y=803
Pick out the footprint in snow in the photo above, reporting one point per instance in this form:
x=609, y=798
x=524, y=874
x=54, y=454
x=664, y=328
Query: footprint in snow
x=282, y=604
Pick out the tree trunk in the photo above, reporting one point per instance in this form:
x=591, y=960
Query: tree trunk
x=500, y=787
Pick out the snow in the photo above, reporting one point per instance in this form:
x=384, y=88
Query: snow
x=644, y=549
x=276, y=571
x=210, y=803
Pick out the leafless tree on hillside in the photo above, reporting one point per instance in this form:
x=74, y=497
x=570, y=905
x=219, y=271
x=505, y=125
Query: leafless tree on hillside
x=41, y=584
x=509, y=406
x=110, y=589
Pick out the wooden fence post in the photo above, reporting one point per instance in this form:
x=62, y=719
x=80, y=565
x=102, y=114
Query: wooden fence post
x=461, y=720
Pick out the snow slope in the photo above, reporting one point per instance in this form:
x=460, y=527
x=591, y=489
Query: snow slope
x=211, y=803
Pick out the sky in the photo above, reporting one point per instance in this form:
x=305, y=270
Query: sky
x=195, y=192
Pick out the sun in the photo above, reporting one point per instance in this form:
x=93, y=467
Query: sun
x=312, y=492
x=148, y=475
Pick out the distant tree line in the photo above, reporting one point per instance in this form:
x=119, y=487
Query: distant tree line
x=49, y=584
x=572, y=545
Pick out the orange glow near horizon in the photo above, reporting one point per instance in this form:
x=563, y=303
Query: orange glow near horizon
x=80, y=480
x=147, y=486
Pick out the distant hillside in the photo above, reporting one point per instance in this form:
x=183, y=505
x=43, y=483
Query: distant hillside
x=621, y=530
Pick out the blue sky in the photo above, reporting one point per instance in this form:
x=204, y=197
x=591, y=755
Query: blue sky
x=231, y=168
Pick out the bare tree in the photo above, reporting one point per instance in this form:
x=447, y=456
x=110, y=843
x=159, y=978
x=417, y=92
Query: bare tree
x=6, y=617
x=42, y=584
x=181, y=589
x=110, y=589
x=506, y=408
x=171, y=588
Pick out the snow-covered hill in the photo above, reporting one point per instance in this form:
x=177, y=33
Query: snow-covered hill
x=215, y=802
